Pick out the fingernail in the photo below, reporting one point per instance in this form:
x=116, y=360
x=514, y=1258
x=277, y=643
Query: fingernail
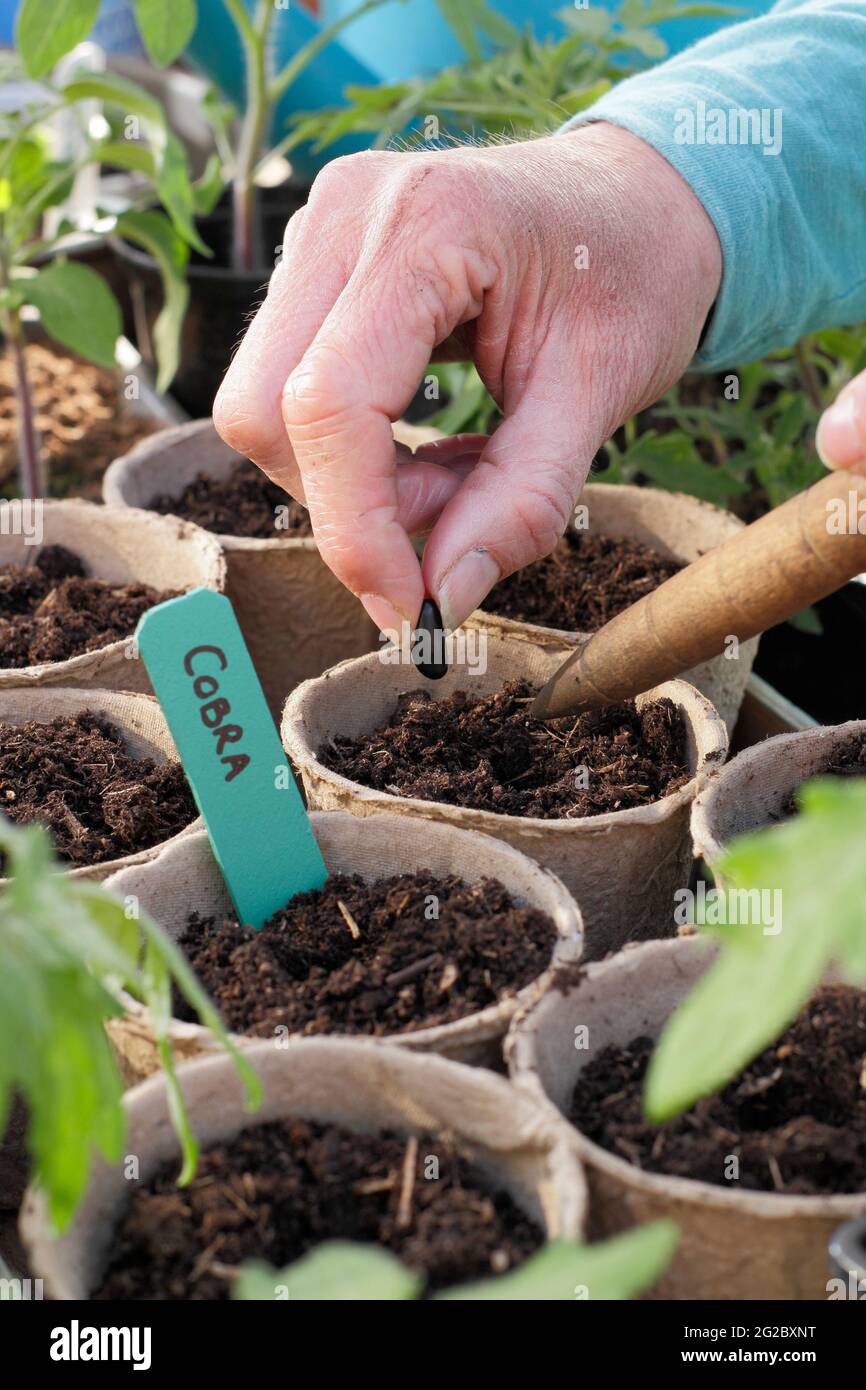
x=387, y=618
x=841, y=436
x=465, y=585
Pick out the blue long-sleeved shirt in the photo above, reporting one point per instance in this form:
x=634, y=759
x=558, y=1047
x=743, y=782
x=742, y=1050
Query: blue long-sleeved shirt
x=789, y=205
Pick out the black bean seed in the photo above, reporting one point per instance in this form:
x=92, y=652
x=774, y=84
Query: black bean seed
x=428, y=643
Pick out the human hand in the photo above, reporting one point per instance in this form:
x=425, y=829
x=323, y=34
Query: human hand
x=475, y=252
x=841, y=437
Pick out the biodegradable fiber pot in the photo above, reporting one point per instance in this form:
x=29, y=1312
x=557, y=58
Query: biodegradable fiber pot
x=752, y=790
x=139, y=719
x=186, y=879
x=733, y=1244
x=623, y=867
x=297, y=618
x=678, y=527
x=132, y=547
x=366, y=1088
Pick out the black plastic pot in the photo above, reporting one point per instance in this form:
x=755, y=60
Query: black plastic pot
x=222, y=300
x=825, y=674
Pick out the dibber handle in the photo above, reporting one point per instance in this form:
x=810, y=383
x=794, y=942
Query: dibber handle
x=788, y=559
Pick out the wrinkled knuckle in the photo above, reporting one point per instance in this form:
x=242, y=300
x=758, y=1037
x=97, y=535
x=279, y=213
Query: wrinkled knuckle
x=340, y=178
x=314, y=402
x=235, y=425
x=424, y=185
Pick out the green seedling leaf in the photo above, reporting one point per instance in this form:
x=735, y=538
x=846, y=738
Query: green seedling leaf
x=207, y=189
x=68, y=950
x=564, y=1270
x=43, y=39
x=126, y=154
x=808, y=621
x=166, y=26
x=336, y=1271
x=176, y=192
x=814, y=867
x=155, y=234
x=77, y=309
x=170, y=171
x=469, y=17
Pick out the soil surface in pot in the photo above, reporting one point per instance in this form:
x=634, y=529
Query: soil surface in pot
x=795, y=1118
x=277, y=1190
x=487, y=753
x=79, y=419
x=75, y=776
x=848, y=762
x=582, y=584
x=354, y=957
x=51, y=610
x=245, y=503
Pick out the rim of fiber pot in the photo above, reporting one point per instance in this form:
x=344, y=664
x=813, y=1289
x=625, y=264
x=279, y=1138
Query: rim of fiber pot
x=145, y=732
x=342, y=1081
x=751, y=790
x=384, y=842
x=367, y=676
x=126, y=547
x=627, y=993
x=678, y=526
x=163, y=464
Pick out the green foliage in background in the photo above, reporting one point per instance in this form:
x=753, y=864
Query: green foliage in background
x=759, y=982
x=614, y=1269
x=77, y=309
x=526, y=87
x=68, y=949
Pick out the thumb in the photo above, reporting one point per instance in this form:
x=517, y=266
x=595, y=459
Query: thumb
x=841, y=437
x=516, y=503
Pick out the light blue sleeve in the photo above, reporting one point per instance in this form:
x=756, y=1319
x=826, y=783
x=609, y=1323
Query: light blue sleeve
x=789, y=205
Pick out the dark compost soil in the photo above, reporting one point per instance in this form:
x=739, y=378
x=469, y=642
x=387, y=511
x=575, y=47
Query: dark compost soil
x=489, y=754
x=582, y=584
x=245, y=503
x=78, y=414
x=75, y=776
x=359, y=958
x=795, y=1118
x=277, y=1190
x=51, y=610
x=849, y=762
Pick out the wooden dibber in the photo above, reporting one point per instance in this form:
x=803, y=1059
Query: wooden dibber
x=791, y=557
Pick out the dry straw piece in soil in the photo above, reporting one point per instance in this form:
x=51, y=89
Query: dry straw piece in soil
x=297, y=618
x=678, y=528
x=357, y=1085
x=186, y=880
x=622, y=867
x=756, y=788
x=734, y=1243
x=121, y=548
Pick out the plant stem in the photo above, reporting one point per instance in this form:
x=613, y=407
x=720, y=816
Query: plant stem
x=246, y=238
x=30, y=471
x=809, y=377
x=311, y=50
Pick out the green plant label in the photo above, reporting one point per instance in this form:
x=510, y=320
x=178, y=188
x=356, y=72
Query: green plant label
x=200, y=668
